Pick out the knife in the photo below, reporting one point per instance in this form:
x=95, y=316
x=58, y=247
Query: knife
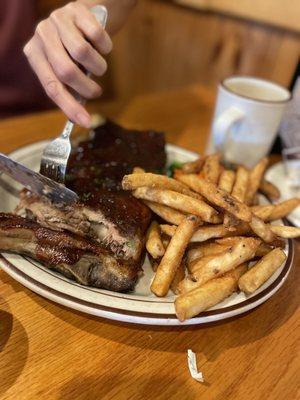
x=36, y=182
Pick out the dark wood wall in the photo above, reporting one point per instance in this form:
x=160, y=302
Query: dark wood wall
x=164, y=46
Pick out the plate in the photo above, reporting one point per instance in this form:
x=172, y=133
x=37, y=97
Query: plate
x=276, y=175
x=140, y=306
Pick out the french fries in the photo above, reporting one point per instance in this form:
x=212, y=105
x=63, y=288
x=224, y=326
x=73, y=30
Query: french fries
x=173, y=256
x=154, y=244
x=213, y=266
x=240, y=186
x=263, y=212
x=170, y=215
x=239, y=192
x=179, y=201
x=226, y=180
x=261, y=251
x=281, y=210
x=205, y=249
x=205, y=233
x=261, y=271
x=193, y=167
x=211, y=293
x=179, y=276
x=286, y=232
x=262, y=230
x=212, y=168
x=255, y=178
x=147, y=179
x=213, y=227
x=269, y=190
x=217, y=196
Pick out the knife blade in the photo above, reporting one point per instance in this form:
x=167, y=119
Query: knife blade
x=36, y=182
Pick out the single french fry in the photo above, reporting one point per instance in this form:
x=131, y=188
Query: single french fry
x=138, y=170
x=239, y=189
x=213, y=266
x=269, y=190
x=255, y=178
x=226, y=180
x=212, y=168
x=203, y=250
x=261, y=271
x=207, y=232
x=281, y=210
x=217, y=196
x=147, y=179
x=170, y=215
x=211, y=293
x=263, y=211
x=176, y=200
x=179, y=276
x=261, y=229
x=154, y=243
x=262, y=249
x=193, y=167
x=286, y=232
x=173, y=256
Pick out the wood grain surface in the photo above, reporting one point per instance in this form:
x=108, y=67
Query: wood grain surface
x=51, y=352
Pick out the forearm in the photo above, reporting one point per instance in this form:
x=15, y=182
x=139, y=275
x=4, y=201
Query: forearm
x=118, y=11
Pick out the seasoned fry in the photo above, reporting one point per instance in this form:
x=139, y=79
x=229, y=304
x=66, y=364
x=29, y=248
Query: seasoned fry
x=239, y=192
x=261, y=229
x=193, y=167
x=213, y=292
x=203, y=250
x=261, y=271
x=241, y=184
x=147, y=179
x=263, y=212
x=173, y=256
x=269, y=190
x=217, y=196
x=138, y=170
x=170, y=215
x=255, y=178
x=226, y=180
x=262, y=249
x=178, y=201
x=212, y=168
x=204, y=233
x=286, y=232
x=281, y=210
x=213, y=266
x=154, y=243
x=179, y=276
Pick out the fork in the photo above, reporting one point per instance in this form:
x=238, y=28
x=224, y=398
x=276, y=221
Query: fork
x=56, y=154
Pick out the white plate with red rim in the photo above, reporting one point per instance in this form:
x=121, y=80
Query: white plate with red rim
x=140, y=306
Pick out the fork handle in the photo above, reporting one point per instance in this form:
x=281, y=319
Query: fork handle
x=100, y=13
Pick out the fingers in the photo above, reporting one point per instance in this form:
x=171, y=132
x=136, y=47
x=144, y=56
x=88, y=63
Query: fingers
x=53, y=87
x=76, y=45
x=87, y=23
x=63, y=66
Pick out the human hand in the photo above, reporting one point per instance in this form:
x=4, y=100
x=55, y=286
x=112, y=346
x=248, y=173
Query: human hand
x=69, y=39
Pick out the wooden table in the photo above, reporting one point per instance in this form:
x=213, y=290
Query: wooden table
x=51, y=352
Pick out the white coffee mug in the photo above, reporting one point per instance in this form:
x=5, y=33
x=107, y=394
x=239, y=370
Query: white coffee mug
x=247, y=117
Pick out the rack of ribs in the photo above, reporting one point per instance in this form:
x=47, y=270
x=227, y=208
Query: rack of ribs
x=106, y=215
x=73, y=256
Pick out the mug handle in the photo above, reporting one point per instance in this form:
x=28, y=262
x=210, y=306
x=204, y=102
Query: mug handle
x=223, y=124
